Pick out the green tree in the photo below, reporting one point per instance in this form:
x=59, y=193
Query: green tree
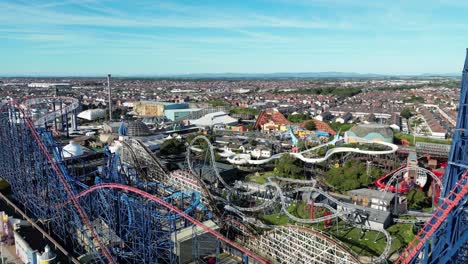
x=288, y=166
x=406, y=113
x=298, y=118
x=352, y=175
x=310, y=125
x=172, y=147
x=244, y=110
x=218, y=103
x=417, y=199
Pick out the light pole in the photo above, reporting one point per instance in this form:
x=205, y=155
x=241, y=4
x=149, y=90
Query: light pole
x=110, y=96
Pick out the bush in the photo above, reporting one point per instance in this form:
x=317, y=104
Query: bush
x=298, y=118
x=406, y=113
x=172, y=147
x=310, y=125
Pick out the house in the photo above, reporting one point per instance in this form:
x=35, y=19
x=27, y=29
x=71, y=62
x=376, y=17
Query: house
x=325, y=117
x=247, y=148
x=239, y=128
x=372, y=198
x=395, y=122
x=271, y=120
x=345, y=118
x=261, y=152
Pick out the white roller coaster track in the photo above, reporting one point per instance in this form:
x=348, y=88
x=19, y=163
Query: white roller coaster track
x=279, y=192
x=241, y=159
x=71, y=104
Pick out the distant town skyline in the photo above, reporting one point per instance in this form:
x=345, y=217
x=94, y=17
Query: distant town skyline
x=135, y=38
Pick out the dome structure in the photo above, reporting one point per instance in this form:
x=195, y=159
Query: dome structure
x=73, y=149
x=137, y=129
x=371, y=132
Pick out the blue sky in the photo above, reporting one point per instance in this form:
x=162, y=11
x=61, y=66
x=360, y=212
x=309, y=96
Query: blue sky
x=91, y=37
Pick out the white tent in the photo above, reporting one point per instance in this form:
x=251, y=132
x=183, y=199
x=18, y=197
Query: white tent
x=72, y=150
x=217, y=118
x=92, y=114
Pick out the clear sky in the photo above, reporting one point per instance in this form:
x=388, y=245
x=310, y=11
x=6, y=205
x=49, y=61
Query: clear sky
x=92, y=37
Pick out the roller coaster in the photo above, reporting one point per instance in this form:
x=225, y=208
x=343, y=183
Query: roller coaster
x=273, y=194
x=114, y=222
x=243, y=159
x=133, y=210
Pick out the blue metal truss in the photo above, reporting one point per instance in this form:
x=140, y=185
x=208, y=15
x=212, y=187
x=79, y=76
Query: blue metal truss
x=450, y=241
x=132, y=228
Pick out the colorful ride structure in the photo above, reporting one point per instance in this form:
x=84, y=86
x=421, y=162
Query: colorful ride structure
x=123, y=213
x=444, y=237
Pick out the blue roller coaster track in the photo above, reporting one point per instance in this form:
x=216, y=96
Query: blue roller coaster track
x=115, y=222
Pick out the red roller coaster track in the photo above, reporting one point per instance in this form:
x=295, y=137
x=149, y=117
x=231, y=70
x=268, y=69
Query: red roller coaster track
x=173, y=209
x=84, y=217
x=454, y=197
x=62, y=179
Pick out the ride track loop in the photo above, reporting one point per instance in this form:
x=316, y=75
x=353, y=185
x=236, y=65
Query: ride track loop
x=73, y=199
x=115, y=186
x=279, y=194
x=63, y=180
x=72, y=105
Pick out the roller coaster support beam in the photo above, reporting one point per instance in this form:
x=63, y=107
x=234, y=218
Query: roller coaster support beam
x=176, y=210
x=64, y=182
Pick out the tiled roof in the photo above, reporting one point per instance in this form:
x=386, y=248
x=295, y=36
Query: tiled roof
x=270, y=115
x=322, y=126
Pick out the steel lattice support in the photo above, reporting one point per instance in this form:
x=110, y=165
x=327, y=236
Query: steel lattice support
x=39, y=183
x=292, y=244
x=449, y=242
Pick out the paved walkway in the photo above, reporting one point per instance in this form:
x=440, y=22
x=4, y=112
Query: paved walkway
x=9, y=255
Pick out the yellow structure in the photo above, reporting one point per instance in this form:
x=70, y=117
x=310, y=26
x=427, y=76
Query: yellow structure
x=148, y=108
x=272, y=126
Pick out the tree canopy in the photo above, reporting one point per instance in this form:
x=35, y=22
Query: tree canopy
x=417, y=199
x=172, y=147
x=310, y=125
x=298, y=118
x=406, y=113
x=244, y=110
x=352, y=175
x=288, y=166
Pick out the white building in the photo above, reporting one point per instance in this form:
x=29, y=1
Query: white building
x=220, y=119
x=261, y=153
x=92, y=114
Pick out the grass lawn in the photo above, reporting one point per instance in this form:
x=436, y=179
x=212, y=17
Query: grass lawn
x=261, y=178
x=368, y=243
x=410, y=138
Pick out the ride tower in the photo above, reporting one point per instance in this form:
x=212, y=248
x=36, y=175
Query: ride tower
x=452, y=244
x=444, y=237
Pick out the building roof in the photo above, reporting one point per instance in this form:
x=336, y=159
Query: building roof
x=270, y=115
x=92, y=114
x=385, y=196
x=137, y=129
x=214, y=119
x=362, y=130
x=72, y=150
x=320, y=126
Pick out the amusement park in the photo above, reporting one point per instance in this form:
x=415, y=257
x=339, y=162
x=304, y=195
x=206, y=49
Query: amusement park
x=281, y=192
